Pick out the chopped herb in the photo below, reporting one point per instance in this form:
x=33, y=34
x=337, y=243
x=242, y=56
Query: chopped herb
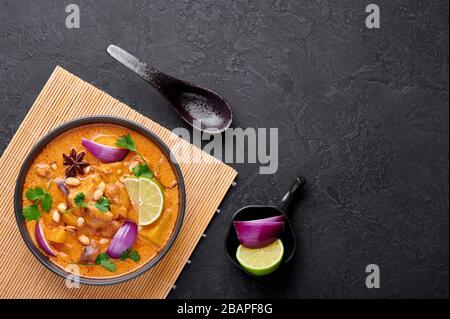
x=102, y=204
x=31, y=212
x=126, y=142
x=103, y=260
x=37, y=195
x=79, y=200
x=142, y=170
x=46, y=202
x=132, y=254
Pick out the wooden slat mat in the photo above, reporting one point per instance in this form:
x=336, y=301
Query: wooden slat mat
x=66, y=97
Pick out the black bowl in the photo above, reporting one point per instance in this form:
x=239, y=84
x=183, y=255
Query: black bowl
x=36, y=150
x=253, y=212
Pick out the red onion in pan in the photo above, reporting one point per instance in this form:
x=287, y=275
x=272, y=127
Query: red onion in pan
x=62, y=187
x=123, y=239
x=43, y=243
x=253, y=234
x=279, y=218
x=104, y=153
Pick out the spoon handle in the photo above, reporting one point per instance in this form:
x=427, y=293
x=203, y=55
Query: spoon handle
x=300, y=181
x=145, y=71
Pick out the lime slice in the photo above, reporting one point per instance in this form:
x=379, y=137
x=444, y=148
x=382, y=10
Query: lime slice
x=261, y=261
x=151, y=201
x=132, y=186
x=147, y=198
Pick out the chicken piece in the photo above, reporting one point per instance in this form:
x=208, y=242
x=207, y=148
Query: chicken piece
x=119, y=202
x=89, y=254
x=87, y=187
x=96, y=219
x=43, y=170
x=112, y=228
x=108, y=172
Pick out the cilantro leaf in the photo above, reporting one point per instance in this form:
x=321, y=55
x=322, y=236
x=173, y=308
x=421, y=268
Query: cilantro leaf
x=79, y=200
x=142, y=170
x=46, y=202
x=126, y=142
x=100, y=257
x=35, y=194
x=102, y=204
x=132, y=254
x=31, y=212
x=103, y=260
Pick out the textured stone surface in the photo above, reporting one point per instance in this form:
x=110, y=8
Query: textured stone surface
x=363, y=114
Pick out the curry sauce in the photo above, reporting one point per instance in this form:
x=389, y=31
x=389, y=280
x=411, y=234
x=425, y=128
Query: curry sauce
x=75, y=224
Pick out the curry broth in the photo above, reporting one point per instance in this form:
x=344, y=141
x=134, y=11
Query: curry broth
x=150, y=240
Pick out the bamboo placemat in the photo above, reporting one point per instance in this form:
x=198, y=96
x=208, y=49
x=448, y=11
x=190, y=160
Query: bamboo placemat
x=66, y=97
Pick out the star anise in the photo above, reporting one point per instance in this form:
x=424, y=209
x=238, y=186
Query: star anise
x=75, y=163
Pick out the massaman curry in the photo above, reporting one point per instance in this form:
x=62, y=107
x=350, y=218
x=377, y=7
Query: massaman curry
x=103, y=197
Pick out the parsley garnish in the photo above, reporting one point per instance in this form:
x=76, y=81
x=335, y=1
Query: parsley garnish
x=103, y=260
x=37, y=195
x=132, y=254
x=126, y=142
x=142, y=170
x=102, y=204
x=31, y=212
x=79, y=200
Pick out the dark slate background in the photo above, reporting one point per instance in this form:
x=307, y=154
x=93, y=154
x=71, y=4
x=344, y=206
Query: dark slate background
x=363, y=114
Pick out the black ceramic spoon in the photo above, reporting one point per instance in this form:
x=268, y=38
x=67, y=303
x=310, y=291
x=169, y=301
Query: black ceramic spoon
x=253, y=212
x=198, y=106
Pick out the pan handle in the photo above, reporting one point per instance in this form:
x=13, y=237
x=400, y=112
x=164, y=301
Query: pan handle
x=300, y=181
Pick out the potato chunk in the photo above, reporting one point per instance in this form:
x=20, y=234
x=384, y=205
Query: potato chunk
x=58, y=235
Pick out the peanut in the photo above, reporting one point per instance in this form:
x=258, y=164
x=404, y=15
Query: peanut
x=103, y=241
x=55, y=216
x=102, y=186
x=62, y=207
x=72, y=181
x=80, y=221
x=84, y=240
x=70, y=228
x=98, y=194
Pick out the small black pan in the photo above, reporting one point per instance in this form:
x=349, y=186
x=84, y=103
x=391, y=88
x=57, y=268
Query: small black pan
x=253, y=212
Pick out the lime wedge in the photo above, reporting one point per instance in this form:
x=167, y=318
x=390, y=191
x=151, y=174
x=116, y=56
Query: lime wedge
x=151, y=201
x=132, y=186
x=147, y=198
x=261, y=261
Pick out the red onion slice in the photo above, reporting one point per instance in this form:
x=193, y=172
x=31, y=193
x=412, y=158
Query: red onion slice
x=62, y=187
x=123, y=239
x=104, y=153
x=279, y=218
x=39, y=234
x=254, y=234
